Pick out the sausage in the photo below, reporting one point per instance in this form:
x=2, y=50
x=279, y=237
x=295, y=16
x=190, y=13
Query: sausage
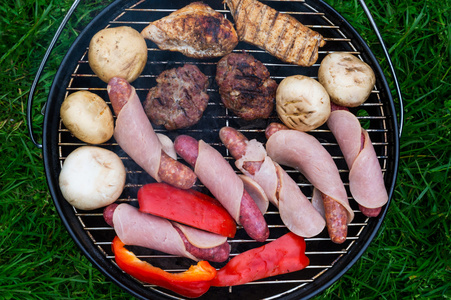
x=250, y=217
x=235, y=142
x=336, y=219
x=216, y=254
x=108, y=213
x=170, y=170
x=335, y=213
x=369, y=212
x=273, y=128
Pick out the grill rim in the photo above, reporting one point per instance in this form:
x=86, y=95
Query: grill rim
x=110, y=270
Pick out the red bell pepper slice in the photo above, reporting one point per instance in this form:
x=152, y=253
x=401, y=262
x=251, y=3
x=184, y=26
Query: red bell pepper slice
x=283, y=255
x=188, y=207
x=192, y=283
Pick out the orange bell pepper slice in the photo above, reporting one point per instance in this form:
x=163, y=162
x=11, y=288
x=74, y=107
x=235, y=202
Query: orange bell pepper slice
x=191, y=283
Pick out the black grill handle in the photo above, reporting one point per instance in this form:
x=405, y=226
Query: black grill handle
x=41, y=68
x=387, y=55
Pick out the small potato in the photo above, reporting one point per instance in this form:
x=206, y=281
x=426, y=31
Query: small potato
x=92, y=177
x=302, y=103
x=87, y=117
x=117, y=52
x=347, y=79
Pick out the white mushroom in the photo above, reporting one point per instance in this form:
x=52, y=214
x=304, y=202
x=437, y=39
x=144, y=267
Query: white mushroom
x=348, y=80
x=92, y=177
x=302, y=103
x=88, y=117
x=117, y=51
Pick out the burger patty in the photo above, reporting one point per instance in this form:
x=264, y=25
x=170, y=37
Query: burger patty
x=245, y=86
x=179, y=99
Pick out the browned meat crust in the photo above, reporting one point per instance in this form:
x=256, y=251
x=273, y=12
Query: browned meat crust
x=179, y=99
x=195, y=30
x=280, y=34
x=245, y=86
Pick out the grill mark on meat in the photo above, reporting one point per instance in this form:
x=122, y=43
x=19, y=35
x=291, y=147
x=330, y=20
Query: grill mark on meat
x=271, y=27
x=245, y=86
x=318, y=44
x=179, y=99
x=261, y=16
x=291, y=44
x=195, y=30
x=237, y=17
x=285, y=21
x=303, y=50
x=248, y=11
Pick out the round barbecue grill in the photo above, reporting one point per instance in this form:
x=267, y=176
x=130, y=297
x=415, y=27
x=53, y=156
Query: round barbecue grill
x=328, y=261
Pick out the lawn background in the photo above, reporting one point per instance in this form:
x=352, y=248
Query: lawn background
x=410, y=258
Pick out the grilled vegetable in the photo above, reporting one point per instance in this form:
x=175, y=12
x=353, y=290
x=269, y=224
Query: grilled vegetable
x=284, y=255
x=188, y=207
x=192, y=283
x=92, y=177
x=88, y=117
x=348, y=80
x=119, y=51
x=302, y=103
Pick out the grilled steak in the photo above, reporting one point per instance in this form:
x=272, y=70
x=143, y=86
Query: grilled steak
x=245, y=86
x=179, y=99
x=280, y=34
x=195, y=30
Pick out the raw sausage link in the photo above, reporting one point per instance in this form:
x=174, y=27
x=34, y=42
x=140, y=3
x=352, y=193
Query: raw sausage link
x=336, y=219
x=119, y=91
x=370, y=212
x=216, y=254
x=170, y=170
x=175, y=173
x=250, y=218
x=335, y=213
x=273, y=128
x=236, y=143
x=108, y=213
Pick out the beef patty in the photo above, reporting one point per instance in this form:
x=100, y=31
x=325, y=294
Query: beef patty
x=179, y=99
x=245, y=86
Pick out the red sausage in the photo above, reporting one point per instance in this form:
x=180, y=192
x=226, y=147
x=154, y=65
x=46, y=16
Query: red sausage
x=108, y=213
x=216, y=254
x=336, y=215
x=170, y=170
x=251, y=217
x=235, y=142
x=336, y=219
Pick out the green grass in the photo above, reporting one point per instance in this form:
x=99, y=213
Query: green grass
x=410, y=257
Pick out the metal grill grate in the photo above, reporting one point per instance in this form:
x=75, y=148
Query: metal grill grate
x=323, y=254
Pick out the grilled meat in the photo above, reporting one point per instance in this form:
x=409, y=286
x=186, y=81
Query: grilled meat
x=179, y=99
x=195, y=30
x=279, y=34
x=245, y=86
